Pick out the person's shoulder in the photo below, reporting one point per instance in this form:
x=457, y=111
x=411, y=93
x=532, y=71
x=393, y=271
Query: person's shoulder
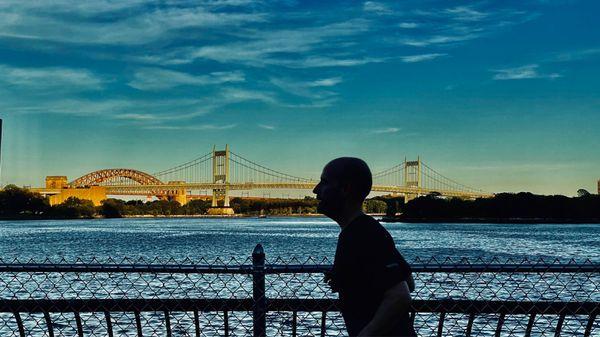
x=367, y=227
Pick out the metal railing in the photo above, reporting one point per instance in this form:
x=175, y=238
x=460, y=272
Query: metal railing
x=288, y=298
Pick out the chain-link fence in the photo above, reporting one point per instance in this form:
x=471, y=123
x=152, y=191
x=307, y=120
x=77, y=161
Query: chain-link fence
x=284, y=297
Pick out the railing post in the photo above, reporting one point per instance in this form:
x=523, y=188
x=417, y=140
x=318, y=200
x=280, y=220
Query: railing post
x=259, y=309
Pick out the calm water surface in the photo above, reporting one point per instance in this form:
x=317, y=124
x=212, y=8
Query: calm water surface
x=285, y=237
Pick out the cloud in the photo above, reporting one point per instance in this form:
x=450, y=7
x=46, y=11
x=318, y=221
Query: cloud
x=326, y=82
x=529, y=71
x=385, y=130
x=311, y=89
x=440, y=39
x=274, y=47
x=49, y=78
x=234, y=95
x=466, y=13
x=129, y=23
x=282, y=55
x=575, y=55
x=376, y=7
x=460, y=24
x=197, y=127
x=421, y=58
x=160, y=79
x=322, y=62
x=266, y=126
x=408, y=25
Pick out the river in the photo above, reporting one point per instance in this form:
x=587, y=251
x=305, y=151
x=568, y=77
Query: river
x=284, y=237
x=311, y=240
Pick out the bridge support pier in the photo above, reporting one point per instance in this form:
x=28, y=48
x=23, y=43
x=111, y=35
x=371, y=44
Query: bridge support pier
x=220, y=194
x=180, y=196
x=220, y=162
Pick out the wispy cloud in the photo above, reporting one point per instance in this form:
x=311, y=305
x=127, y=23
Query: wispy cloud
x=408, y=25
x=442, y=39
x=461, y=24
x=130, y=23
x=48, y=78
x=311, y=89
x=466, y=13
x=326, y=82
x=574, y=55
x=160, y=79
x=268, y=47
x=233, y=95
x=385, y=130
x=284, y=55
x=197, y=127
x=266, y=126
x=376, y=7
x=324, y=61
x=529, y=71
x=421, y=58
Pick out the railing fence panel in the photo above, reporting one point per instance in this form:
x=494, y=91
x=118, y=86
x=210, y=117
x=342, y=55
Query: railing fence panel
x=281, y=297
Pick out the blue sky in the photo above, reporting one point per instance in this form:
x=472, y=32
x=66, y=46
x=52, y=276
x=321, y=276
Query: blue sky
x=499, y=95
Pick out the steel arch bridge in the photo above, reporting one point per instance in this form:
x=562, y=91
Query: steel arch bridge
x=109, y=175
x=224, y=171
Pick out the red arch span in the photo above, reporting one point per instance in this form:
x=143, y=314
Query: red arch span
x=99, y=176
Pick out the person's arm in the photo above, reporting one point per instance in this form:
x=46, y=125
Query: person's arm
x=411, y=283
x=396, y=301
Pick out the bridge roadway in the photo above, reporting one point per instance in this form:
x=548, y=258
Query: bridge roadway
x=165, y=188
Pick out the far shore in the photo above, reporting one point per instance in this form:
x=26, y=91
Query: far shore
x=224, y=216
x=495, y=220
x=384, y=218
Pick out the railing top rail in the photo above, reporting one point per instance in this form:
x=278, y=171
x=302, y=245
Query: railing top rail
x=223, y=304
x=290, y=268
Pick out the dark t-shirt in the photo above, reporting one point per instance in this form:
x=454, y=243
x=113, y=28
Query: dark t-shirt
x=366, y=265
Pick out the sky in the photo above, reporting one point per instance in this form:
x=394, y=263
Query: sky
x=499, y=95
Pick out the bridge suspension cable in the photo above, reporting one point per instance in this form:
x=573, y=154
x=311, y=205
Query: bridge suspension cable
x=393, y=176
x=435, y=180
x=195, y=170
x=245, y=170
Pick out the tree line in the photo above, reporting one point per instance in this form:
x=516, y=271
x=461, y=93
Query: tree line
x=19, y=203
x=522, y=205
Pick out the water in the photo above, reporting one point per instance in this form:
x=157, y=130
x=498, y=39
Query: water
x=196, y=238
x=284, y=239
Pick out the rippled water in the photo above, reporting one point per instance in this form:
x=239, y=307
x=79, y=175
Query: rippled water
x=285, y=237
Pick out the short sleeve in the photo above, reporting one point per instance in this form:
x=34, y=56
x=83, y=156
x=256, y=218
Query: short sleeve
x=386, y=266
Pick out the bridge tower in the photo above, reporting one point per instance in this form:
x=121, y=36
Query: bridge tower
x=412, y=178
x=220, y=163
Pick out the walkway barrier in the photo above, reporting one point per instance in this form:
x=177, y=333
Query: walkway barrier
x=281, y=297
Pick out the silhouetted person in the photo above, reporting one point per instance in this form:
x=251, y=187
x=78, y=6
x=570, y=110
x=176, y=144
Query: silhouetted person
x=372, y=278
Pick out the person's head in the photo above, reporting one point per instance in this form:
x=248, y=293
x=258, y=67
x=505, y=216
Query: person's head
x=345, y=183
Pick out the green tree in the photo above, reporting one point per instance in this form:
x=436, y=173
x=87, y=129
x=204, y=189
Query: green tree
x=196, y=206
x=74, y=208
x=374, y=206
x=583, y=193
x=18, y=202
x=112, y=208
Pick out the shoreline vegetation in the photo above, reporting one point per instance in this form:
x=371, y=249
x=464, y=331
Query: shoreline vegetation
x=20, y=204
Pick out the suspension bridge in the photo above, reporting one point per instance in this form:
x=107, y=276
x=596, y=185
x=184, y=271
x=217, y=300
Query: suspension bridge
x=224, y=171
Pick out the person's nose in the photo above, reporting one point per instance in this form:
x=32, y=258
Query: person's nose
x=316, y=189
